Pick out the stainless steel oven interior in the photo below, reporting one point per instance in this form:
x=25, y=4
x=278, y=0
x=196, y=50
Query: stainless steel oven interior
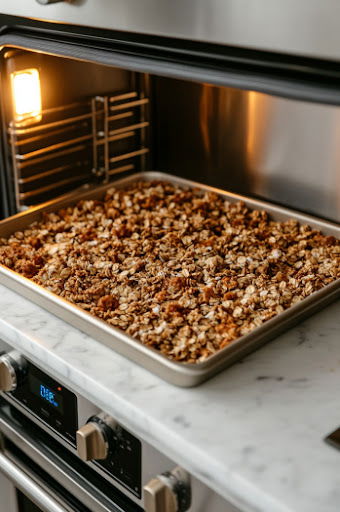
x=96, y=121
x=49, y=455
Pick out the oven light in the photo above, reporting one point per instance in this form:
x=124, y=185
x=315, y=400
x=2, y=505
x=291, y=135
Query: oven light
x=26, y=96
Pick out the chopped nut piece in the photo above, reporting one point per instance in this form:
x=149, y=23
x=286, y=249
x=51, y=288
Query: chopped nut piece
x=108, y=302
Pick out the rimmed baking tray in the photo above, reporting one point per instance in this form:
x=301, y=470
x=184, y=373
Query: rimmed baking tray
x=180, y=374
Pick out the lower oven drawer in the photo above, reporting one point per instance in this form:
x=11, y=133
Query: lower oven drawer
x=25, y=492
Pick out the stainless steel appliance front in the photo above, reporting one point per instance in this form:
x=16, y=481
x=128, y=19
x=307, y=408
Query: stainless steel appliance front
x=48, y=480
x=27, y=440
x=35, y=403
x=307, y=27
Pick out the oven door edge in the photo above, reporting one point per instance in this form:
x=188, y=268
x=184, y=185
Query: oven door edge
x=30, y=487
x=318, y=84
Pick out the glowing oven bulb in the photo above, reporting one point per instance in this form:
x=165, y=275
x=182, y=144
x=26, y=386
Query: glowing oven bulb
x=26, y=95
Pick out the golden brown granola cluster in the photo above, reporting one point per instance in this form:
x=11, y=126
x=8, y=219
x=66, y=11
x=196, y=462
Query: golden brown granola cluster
x=182, y=271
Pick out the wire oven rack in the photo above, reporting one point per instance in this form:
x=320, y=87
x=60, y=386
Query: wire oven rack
x=79, y=143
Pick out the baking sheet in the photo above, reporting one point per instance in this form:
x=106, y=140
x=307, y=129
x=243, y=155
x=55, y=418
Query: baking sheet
x=180, y=374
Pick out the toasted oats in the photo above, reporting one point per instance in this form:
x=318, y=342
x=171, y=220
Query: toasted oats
x=181, y=270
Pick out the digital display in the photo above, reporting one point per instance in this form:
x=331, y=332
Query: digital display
x=49, y=401
x=45, y=393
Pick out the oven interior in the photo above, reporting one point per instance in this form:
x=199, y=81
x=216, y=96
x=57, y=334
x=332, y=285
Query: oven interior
x=68, y=122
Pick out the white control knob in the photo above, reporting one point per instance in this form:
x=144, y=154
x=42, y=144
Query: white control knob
x=91, y=442
x=168, y=492
x=95, y=439
x=12, y=370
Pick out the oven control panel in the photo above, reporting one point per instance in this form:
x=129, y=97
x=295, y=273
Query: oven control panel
x=113, y=449
x=40, y=394
x=98, y=438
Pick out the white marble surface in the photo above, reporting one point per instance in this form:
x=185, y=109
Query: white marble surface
x=254, y=433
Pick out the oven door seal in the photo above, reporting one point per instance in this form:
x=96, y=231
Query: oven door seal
x=297, y=84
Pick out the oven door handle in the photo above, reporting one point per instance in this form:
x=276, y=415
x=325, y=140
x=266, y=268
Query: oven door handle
x=29, y=487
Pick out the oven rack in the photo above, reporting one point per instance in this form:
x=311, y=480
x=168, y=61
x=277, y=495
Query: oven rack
x=107, y=111
x=78, y=143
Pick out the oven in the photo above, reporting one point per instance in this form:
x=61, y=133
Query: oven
x=85, y=107
x=92, y=92
x=59, y=452
x=34, y=479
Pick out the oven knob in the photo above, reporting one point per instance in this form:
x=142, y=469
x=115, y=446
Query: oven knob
x=168, y=492
x=95, y=439
x=12, y=371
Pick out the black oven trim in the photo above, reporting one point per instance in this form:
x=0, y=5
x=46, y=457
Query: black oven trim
x=24, y=503
x=284, y=75
x=7, y=203
x=5, y=193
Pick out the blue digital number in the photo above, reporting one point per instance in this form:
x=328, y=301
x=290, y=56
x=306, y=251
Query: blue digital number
x=48, y=395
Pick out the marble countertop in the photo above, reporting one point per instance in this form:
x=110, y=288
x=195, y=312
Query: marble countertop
x=254, y=433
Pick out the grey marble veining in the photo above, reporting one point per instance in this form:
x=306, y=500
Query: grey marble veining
x=254, y=433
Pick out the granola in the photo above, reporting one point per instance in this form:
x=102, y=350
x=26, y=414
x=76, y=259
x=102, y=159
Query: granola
x=183, y=271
